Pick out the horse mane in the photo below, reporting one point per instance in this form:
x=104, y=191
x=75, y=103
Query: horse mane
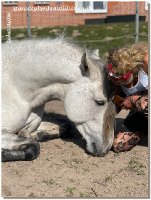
x=32, y=47
x=108, y=86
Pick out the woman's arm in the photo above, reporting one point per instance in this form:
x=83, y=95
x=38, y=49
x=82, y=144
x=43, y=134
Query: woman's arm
x=136, y=101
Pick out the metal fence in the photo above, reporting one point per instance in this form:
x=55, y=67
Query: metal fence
x=134, y=35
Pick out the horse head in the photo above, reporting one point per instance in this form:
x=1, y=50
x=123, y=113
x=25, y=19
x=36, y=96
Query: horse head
x=87, y=105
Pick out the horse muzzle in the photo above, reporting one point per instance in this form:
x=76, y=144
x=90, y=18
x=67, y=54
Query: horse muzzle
x=95, y=151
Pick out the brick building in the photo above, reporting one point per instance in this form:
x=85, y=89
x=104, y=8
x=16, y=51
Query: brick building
x=65, y=13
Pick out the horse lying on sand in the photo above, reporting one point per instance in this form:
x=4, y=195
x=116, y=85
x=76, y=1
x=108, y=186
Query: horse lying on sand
x=37, y=71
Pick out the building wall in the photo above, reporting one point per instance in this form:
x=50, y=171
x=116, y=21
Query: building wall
x=64, y=18
x=126, y=8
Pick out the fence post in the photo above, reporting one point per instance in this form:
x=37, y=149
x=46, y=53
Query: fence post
x=28, y=19
x=137, y=22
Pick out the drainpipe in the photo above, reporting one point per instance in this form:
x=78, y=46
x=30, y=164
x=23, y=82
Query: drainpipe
x=137, y=22
x=28, y=19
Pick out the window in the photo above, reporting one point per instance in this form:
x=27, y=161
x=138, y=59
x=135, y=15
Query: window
x=10, y=3
x=90, y=6
x=41, y=2
x=58, y=2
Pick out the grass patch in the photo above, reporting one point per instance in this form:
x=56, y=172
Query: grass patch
x=108, y=178
x=103, y=36
x=83, y=195
x=73, y=163
x=49, y=182
x=70, y=191
x=136, y=166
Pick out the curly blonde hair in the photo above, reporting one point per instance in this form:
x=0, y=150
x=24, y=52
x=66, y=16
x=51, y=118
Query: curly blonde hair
x=128, y=58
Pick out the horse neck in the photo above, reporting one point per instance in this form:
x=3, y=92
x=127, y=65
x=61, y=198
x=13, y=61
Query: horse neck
x=52, y=92
x=56, y=62
x=46, y=69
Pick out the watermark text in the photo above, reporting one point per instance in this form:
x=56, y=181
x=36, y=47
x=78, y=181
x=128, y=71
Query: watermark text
x=50, y=9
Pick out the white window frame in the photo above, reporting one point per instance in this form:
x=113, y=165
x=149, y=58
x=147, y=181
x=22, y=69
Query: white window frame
x=10, y=3
x=91, y=10
x=146, y=5
x=41, y=2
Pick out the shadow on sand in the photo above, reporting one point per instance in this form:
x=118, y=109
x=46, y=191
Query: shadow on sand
x=69, y=133
x=67, y=129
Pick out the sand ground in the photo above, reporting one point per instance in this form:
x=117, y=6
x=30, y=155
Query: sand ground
x=64, y=169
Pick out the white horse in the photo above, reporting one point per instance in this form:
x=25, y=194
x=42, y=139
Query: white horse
x=37, y=71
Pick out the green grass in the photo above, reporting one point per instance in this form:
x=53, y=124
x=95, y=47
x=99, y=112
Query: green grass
x=108, y=178
x=136, y=166
x=70, y=191
x=49, y=182
x=103, y=36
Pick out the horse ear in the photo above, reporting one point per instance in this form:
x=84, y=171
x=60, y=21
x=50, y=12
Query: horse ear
x=95, y=54
x=84, y=66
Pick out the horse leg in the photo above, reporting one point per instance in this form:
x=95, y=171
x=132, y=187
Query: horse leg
x=30, y=130
x=32, y=124
x=49, y=131
x=15, y=148
x=46, y=132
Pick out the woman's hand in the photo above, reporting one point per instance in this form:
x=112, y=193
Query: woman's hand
x=142, y=103
x=129, y=102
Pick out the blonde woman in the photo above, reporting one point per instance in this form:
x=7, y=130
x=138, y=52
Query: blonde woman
x=128, y=70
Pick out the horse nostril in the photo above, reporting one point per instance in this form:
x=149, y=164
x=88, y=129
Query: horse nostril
x=94, y=149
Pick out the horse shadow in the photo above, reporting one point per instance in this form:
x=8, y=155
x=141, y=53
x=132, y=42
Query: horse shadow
x=70, y=132
x=67, y=129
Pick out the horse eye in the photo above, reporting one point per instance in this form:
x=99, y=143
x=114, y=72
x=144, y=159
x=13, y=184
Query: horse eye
x=100, y=102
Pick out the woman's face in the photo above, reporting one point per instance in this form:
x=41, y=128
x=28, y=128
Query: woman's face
x=121, y=81
x=119, y=78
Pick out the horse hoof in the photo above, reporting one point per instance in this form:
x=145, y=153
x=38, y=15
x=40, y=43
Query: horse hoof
x=42, y=137
x=31, y=150
x=23, y=152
